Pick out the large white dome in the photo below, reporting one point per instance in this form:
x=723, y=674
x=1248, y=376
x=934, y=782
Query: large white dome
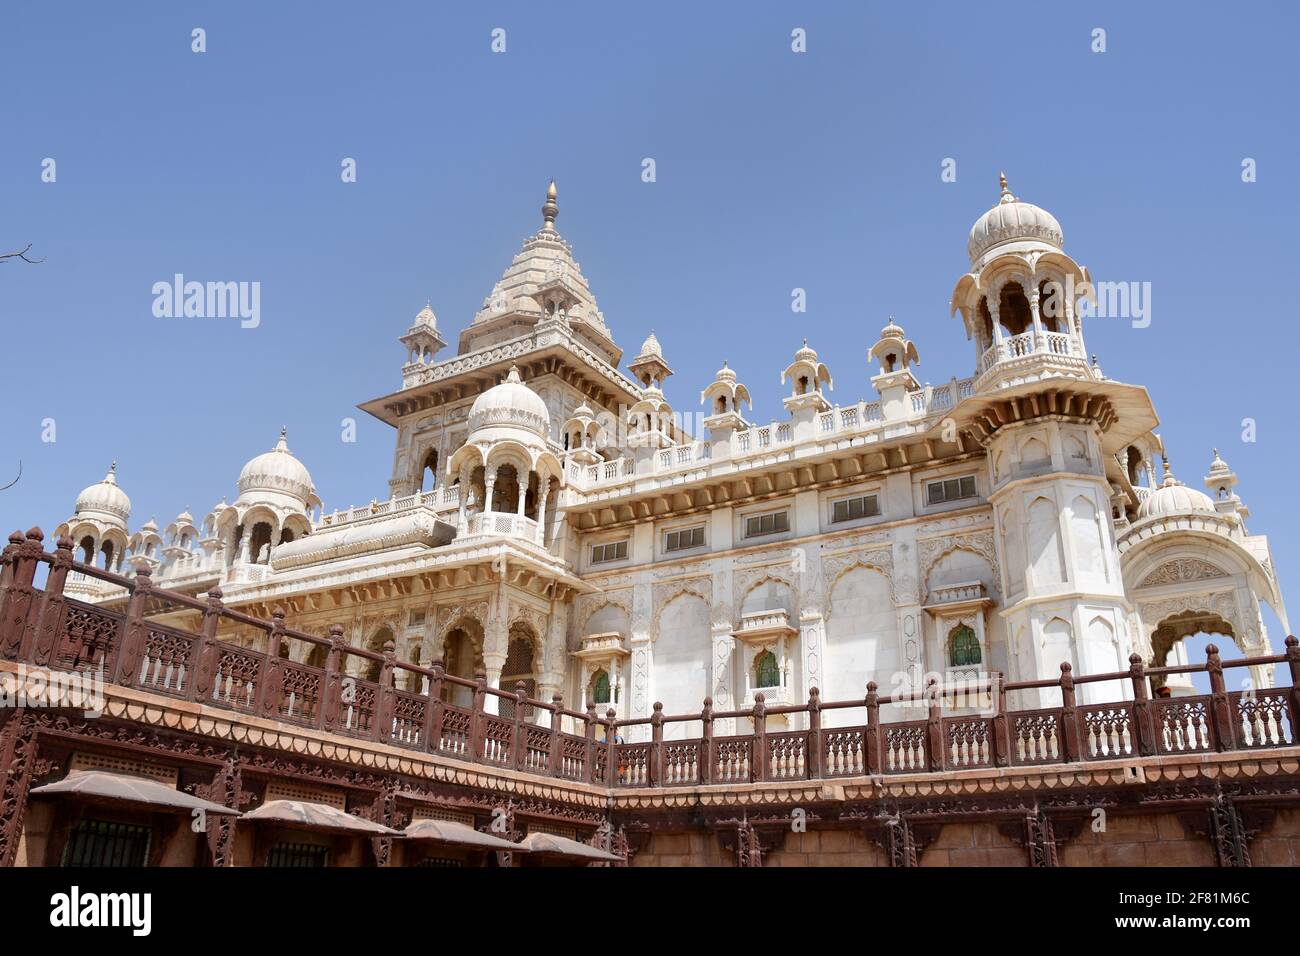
x=1010, y=220
x=1174, y=497
x=512, y=403
x=105, y=499
x=277, y=472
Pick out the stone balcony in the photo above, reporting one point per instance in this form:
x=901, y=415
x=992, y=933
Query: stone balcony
x=951, y=598
x=1030, y=357
x=763, y=626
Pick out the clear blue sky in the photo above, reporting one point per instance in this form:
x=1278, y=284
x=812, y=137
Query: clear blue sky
x=775, y=170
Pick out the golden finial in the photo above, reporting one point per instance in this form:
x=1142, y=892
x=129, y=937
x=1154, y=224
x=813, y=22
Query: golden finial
x=550, y=209
x=1002, y=181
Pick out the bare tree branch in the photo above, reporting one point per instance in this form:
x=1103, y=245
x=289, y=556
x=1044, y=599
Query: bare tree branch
x=21, y=254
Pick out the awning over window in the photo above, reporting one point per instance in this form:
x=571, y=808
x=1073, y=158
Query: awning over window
x=552, y=845
x=448, y=831
x=122, y=788
x=316, y=816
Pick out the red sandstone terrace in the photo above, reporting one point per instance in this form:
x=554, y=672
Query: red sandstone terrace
x=311, y=766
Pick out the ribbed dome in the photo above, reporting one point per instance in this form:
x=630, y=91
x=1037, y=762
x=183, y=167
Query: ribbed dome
x=1012, y=219
x=278, y=472
x=510, y=403
x=104, y=498
x=1173, y=497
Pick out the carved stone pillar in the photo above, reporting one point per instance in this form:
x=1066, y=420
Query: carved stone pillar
x=543, y=493
x=812, y=637
x=641, y=661
x=724, y=694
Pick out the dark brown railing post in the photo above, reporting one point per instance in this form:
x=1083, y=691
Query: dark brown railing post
x=24, y=553
x=135, y=631
x=205, y=650
x=655, y=770
x=332, y=697
x=1070, y=749
x=934, y=725
x=758, y=759
x=518, y=733
x=1220, y=708
x=1001, y=735
x=434, y=710
x=871, y=734
x=1293, y=663
x=1144, y=737
x=589, y=736
x=272, y=672
x=706, y=742
x=557, y=743
x=48, y=631
x=478, y=720
x=386, y=699
x=612, y=767
x=7, y=564
x=813, y=758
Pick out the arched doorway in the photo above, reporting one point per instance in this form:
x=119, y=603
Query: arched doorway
x=462, y=657
x=1169, y=648
x=376, y=643
x=518, y=667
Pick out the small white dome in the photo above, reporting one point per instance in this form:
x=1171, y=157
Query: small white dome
x=806, y=354
x=105, y=498
x=510, y=403
x=1173, y=497
x=651, y=347
x=1012, y=219
x=1219, y=466
x=277, y=472
x=725, y=374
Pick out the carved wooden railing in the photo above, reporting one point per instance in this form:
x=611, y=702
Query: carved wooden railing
x=44, y=627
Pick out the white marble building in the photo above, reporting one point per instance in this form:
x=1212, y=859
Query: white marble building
x=551, y=519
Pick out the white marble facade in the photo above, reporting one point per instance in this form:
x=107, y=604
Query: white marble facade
x=552, y=519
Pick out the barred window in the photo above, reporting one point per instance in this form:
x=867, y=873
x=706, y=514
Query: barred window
x=684, y=539
x=849, y=509
x=600, y=688
x=613, y=551
x=766, y=671
x=297, y=855
x=950, y=489
x=963, y=647
x=773, y=522
x=106, y=843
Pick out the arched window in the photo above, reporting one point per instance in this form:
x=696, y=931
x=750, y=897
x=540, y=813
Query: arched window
x=766, y=671
x=429, y=471
x=1013, y=309
x=963, y=647
x=600, y=688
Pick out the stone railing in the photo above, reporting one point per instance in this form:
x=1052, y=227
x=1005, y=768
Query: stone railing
x=847, y=421
x=472, y=720
x=958, y=593
x=444, y=498
x=1061, y=344
x=497, y=522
